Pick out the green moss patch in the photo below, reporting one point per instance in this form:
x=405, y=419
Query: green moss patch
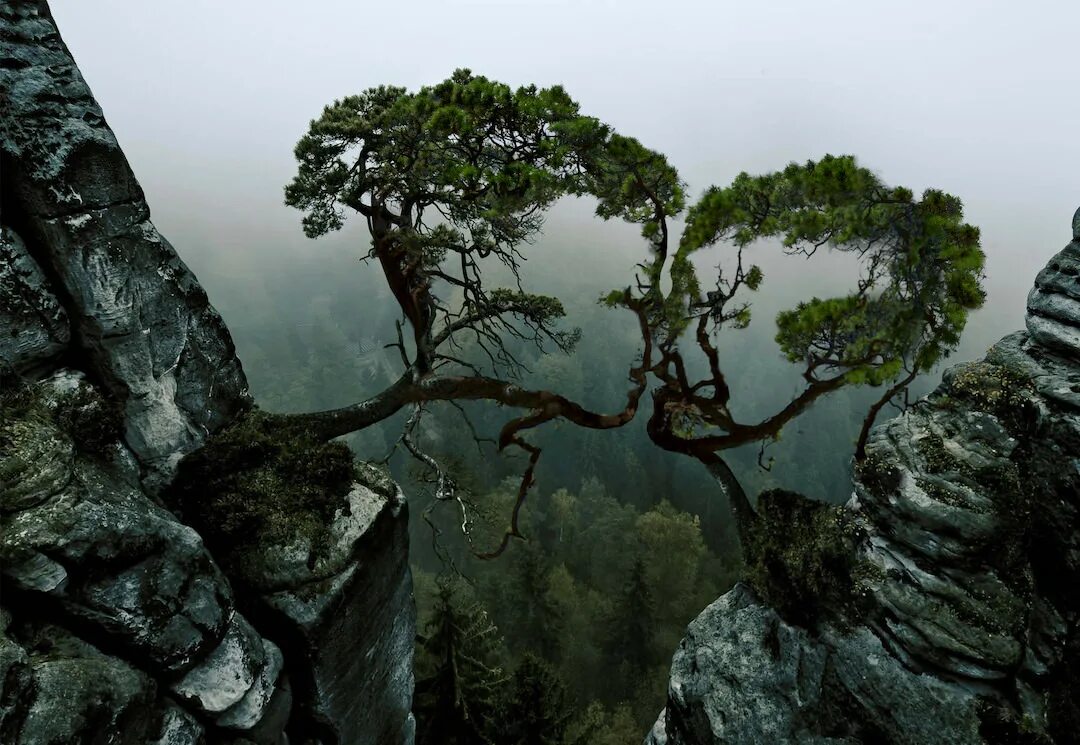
x=993, y=389
x=802, y=562
x=17, y=405
x=937, y=458
x=260, y=483
x=93, y=422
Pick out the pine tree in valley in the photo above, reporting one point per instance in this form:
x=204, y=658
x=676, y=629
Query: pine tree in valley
x=457, y=689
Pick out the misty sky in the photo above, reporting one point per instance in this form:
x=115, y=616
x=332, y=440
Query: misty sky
x=981, y=99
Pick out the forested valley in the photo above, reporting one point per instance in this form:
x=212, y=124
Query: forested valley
x=625, y=543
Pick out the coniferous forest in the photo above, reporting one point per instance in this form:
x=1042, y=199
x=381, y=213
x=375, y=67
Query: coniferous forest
x=444, y=409
x=625, y=543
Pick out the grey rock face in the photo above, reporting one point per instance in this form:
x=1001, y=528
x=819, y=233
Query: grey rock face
x=744, y=675
x=349, y=622
x=87, y=281
x=58, y=688
x=140, y=319
x=91, y=546
x=970, y=503
x=99, y=547
x=1053, y=317
x=34, y=328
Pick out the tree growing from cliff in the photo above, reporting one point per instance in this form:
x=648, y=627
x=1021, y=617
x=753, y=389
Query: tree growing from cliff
x=456, y=177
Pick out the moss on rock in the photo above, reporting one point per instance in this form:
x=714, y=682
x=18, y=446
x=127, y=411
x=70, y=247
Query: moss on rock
x=262, y=482
x=802, y=562
x=878, y=475
x=93, y=422
x=938, y=459
x=993, y=389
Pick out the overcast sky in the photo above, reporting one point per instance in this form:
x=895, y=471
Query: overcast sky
x=979, y=98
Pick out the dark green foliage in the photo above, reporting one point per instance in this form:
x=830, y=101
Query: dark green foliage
x=261, y=482
x=539, y=618
x=601, y=592
x=484, y=152
x=801, y=560
x=458, y=678
x=922, y=260
x=535, y=710
x=999, y=725
x=633, y=623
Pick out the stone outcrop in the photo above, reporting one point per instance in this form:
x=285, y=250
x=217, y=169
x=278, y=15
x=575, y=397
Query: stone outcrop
x=35, y=325
x=144, y=325
x=339, y=608
x=117, y=623
x=969, y=509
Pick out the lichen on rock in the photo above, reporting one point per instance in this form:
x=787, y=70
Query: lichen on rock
x=968, y=508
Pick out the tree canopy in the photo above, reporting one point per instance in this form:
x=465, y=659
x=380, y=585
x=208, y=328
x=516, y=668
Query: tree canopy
x=459, y=175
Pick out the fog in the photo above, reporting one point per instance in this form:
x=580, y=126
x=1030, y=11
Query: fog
x=977, y=98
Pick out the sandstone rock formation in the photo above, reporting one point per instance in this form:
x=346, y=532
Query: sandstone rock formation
x=116, y=622
x=144, y=326
x=969, y=509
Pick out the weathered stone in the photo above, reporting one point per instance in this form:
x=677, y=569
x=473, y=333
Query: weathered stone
x=1053, y=305
x=970, y=506
x=658, y=734
x=34, y=328
x=82, y=537
x=112, y=558
x=74, y=693
x=15, y=681
x=109, y=558
x=140, y=319
x=348, y=624
x=742, y=674
x=178, y=727
x=235, y=681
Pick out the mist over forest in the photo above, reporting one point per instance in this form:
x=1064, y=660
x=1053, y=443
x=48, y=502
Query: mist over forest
x=208, y=100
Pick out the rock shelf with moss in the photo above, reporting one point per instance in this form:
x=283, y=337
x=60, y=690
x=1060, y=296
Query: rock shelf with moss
x=262, y=482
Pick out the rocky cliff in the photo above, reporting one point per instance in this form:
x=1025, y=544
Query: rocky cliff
x=966, y=523
x=117, y=623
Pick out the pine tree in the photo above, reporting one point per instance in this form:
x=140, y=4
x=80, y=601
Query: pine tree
x=455, y=701
x=539, y=619
x=534, y=711
x=631, y=641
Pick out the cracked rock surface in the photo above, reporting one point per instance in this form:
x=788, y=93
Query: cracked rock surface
x=969, y=505
x=142, y=322
x=116, y=623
